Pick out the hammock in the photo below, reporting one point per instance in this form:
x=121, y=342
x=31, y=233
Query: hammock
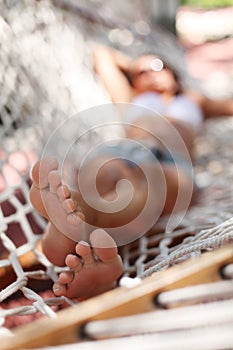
x=31, y=106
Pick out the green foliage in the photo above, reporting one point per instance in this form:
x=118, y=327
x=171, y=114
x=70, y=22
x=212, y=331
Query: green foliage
x=208, y=3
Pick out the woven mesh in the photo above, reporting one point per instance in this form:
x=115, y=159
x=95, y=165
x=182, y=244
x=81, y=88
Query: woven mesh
x=31, y=105
x=213, y=208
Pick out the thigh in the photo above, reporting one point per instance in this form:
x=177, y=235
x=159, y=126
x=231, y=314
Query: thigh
x=102, y=174
x=179, y=189
x=172, y=134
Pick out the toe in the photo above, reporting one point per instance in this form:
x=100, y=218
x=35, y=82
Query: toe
x=69, y=205
x=66, y=277
x=63, y=192
x=54, y=181
x=74, y=263
x=80, y=215
x=103, y=245
x=84, y=250
x=41, y=170
x=59, y=289
x=73, y=219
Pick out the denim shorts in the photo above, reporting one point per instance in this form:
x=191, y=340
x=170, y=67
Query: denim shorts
x=135, y=153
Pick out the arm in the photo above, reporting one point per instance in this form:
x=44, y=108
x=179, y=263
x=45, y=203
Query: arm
x=217, y=108
x=110, y=65
x=212, y=107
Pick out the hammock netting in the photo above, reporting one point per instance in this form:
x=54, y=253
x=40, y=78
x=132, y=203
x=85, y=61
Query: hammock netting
x=46, y=75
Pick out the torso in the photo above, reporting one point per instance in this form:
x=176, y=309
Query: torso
x=150, y=116
x=180, y=108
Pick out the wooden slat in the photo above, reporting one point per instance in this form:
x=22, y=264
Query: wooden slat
x=66, y=328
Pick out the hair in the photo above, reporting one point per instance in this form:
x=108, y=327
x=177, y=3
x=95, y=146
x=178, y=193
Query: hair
x=175, y=73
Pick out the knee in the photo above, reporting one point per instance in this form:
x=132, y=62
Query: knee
x=179, y=191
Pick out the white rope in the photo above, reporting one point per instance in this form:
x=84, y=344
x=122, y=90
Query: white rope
x=13, y=288
x=214, y=238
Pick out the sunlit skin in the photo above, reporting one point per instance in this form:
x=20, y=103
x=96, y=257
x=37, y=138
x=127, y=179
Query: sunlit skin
x=96, y=262
x=93, y=262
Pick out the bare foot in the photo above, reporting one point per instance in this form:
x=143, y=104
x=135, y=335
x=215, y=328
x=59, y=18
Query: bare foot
x=93, y=271
x=53, y=200
x=97, y=267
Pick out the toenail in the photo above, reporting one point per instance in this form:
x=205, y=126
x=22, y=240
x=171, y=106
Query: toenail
x=52, y=189
x=84, y=243
x=73, y=219
x=54, y=177
x=56, y=288
x=80, y=215
x=63, y=192
x=68, y=205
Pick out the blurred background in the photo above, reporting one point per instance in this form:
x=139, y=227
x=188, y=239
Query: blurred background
x=46, y=70
x=204, y=28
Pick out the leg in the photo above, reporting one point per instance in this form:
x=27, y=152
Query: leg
x=105, y=192
x=47, y=193
x=212, y=107
x=53, y=201
x=98, y=267
x=93, y=271
x=175, y=135
x=149, y=183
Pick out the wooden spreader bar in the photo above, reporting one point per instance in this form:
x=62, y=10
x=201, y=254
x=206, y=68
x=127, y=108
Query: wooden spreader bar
x=68, y=325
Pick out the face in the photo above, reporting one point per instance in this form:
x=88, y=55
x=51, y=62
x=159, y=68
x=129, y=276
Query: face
x=148, y=73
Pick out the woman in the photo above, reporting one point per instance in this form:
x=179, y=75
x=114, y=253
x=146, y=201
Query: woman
x=125, y=79
x=154, y=158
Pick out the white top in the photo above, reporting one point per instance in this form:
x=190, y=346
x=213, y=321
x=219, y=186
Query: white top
x=179, y=108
